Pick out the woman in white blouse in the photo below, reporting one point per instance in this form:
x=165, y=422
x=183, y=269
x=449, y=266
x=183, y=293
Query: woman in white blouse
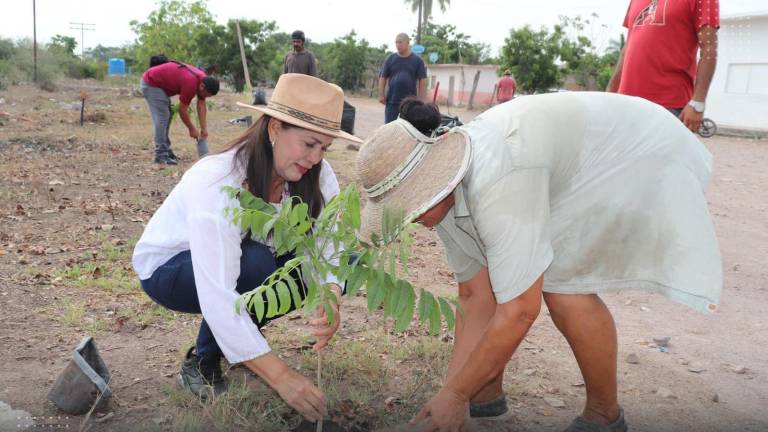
x=192, y=258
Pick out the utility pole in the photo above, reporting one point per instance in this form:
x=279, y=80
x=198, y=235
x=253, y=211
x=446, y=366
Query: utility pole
x=34, y=42
x=83, y=27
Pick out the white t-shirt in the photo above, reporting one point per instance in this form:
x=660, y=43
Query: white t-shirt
x=597, y=191
x=192, y=218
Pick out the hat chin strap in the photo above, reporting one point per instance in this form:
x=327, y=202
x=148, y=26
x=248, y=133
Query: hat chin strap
x=401, y=172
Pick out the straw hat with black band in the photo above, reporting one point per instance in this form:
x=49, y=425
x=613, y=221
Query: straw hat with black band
x=307, y=102
x=400, y=168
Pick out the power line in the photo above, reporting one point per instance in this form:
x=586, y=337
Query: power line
x=83, y=27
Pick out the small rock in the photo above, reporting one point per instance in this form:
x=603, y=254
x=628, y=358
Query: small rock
x=628, y=302
x=107, y=227
x=645, y=309
x=696, y=368
x=739, y=369
x=529, y=372
x=353, y=147
x=633, y=359
x=554, y=402
x=662, y=341
x=665, y=393
x=577, y=384
x=716, y=398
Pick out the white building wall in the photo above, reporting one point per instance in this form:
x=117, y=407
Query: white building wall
x=738, y=95
x=464, y=76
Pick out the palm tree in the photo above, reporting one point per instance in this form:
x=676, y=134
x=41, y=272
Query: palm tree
x=424, y=10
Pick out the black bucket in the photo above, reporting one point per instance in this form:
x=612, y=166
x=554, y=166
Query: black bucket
x=83, y=382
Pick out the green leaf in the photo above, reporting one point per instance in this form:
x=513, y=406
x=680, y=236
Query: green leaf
x=424, y=304
x=271, y=302
x=299, y=214
x=447, y=310
x=256, y=304
x=329, y=312
x=285, y=297
x=295, y=293
x=405, y=307
x=434, y=317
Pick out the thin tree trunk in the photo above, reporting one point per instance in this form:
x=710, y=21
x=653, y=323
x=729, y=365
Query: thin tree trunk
x=418, y=28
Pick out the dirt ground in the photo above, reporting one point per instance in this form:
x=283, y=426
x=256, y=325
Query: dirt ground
x=75, y=199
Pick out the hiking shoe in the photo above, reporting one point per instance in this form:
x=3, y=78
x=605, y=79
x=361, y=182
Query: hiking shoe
x=202, y=375
x=165, y=160
x=580, y=424
x=501, y=423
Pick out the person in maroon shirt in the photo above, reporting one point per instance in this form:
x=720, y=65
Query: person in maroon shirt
x=506, y=87
x=159, y=84
x=659, y=62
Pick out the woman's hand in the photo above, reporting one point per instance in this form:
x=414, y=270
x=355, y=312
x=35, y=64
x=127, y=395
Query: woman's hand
x=323, y=330
x=300, y=394
x=296, y=390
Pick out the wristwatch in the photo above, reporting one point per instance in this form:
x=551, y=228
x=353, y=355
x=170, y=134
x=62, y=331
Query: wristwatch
x=696, y=105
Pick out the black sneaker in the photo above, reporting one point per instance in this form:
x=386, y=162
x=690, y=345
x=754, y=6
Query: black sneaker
x=202, y=375
x=165, y=160
x=172, y=155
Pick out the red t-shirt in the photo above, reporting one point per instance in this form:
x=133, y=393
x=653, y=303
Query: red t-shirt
x=660, y=56
x=507, y=87
x=175, y=79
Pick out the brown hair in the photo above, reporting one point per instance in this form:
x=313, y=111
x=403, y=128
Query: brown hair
x=254, y=156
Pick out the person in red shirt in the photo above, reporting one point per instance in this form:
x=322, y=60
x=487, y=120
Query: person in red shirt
x=506, y=87
x=659, y=63
x=159, y=84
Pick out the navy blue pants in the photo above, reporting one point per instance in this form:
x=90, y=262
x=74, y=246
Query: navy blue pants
x=172, y=285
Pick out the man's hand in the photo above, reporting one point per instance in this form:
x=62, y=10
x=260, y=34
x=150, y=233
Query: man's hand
x=194, y=133
x=324, y=331
x=691, y=118
x=300, y=394
x=445, y=412
x=204, y=133
x=383, y=99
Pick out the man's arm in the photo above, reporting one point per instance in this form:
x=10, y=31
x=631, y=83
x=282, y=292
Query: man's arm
x=202, y=113
x=613, y=84
x=285, y=63
x=506, y=330
x=382, y=90
x=704, y=73
x=313, y=65
x=422, y=92
x=184, y=115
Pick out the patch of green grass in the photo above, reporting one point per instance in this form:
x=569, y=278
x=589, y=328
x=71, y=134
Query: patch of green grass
x=168, y=172
x=74, y=314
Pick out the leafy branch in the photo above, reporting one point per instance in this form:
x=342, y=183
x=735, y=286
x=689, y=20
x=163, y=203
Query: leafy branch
x=327, y=245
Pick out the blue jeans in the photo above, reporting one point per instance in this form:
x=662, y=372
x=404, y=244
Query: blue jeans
x=172, y=285
x=391, y=111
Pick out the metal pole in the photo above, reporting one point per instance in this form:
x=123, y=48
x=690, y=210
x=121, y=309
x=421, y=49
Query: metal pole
x=34, y=41
x=83, y=27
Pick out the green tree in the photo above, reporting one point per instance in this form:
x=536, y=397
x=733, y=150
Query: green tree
x=452, y=46
x=345, y=61
x=63, y=44
x=175, y=28
x=531, y=56
x=221, y=48
x=423, y=8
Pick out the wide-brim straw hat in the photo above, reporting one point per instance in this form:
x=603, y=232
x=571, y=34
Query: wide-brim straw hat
x=402, y=169
x=307, y=102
